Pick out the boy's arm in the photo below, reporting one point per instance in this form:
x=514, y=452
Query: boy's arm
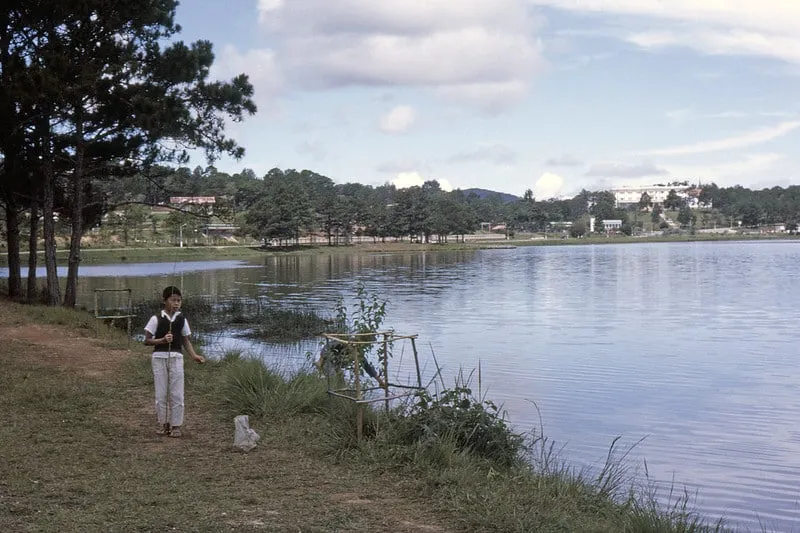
x=149, y=332
x=190, y=349
x=149, y=340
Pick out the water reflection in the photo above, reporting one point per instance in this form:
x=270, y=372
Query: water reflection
x=691, y=345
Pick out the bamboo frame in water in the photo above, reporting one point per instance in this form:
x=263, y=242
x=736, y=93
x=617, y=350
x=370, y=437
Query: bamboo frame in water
x=97, y=309
x=353, y=339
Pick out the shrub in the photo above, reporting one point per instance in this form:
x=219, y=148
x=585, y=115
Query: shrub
x=476, y=426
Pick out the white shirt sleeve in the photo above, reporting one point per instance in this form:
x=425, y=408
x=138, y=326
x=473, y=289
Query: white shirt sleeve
x=152, y=325
x=186, y=331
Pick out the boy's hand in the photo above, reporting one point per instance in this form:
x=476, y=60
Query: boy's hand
x=199, y=358
x=168, y=338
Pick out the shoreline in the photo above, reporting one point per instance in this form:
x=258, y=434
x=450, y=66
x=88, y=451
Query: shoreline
x=205, y=253
x=174, y=253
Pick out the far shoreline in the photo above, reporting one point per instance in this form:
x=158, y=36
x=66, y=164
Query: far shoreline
x=112, y=255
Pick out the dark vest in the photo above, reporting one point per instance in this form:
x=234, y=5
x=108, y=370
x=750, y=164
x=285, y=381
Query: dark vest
x=164, y=328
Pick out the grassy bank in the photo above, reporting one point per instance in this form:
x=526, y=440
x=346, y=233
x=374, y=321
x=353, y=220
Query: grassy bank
x=80, y=453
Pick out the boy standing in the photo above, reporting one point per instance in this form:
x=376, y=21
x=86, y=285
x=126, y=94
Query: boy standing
x=169, y=333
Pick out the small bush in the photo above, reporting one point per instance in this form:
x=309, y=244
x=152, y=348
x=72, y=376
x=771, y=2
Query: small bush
x=455, y=415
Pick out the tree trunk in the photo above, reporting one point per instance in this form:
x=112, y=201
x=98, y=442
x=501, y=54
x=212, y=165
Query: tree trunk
x=79, y=179
x=48, y=220
x=12, y=228
x=33, y=249
x=9, y=149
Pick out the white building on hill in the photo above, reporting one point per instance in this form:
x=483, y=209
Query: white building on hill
x=630, y=195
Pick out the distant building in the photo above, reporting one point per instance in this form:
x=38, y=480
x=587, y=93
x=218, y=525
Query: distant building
x=204, y=201
x=564, y=225
x=194, y=200
x=489, y=226
x=627, y=196
x=608, y=225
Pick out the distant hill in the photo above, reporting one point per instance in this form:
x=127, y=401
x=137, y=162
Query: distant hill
x=484, y=193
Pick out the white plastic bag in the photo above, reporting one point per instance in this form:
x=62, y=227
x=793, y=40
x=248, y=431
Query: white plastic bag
x=245, y=438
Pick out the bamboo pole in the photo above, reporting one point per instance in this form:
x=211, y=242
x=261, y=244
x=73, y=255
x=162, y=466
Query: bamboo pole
x=360, y=408
x=130, y=309
x=386, y=370
x=416, y=361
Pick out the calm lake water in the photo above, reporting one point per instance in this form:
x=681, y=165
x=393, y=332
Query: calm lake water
x=692, y=347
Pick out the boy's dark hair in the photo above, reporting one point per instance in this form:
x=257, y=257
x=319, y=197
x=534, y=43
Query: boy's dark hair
x=170, y=291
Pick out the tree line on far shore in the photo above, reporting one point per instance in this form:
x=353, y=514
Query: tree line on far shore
x=284, y=205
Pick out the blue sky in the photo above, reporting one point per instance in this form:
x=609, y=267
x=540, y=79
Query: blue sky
x=551, y=95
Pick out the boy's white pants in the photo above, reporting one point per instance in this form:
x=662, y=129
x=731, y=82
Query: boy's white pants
x=169, y=382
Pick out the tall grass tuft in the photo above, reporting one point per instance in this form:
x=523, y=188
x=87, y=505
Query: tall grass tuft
x=250, y=388
x=288, y=325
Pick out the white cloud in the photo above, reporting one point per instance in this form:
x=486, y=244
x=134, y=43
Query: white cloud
x=261, y=67
x=548, y=186
x=472, y=51
x=314, y=149
x=411, y=179
x=679, y=116
x=767, y=28
x=619, y=170
x=682, y=116
x=399, y=165
x=727, y=42
x=764, y=15
x=498, y=154
x=399, y=120
x=731, y=172
x=744, y=140
x=565, y=160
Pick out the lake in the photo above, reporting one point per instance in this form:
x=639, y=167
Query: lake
x=689, y=346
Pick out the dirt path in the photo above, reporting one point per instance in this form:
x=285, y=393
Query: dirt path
x=281, y=486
